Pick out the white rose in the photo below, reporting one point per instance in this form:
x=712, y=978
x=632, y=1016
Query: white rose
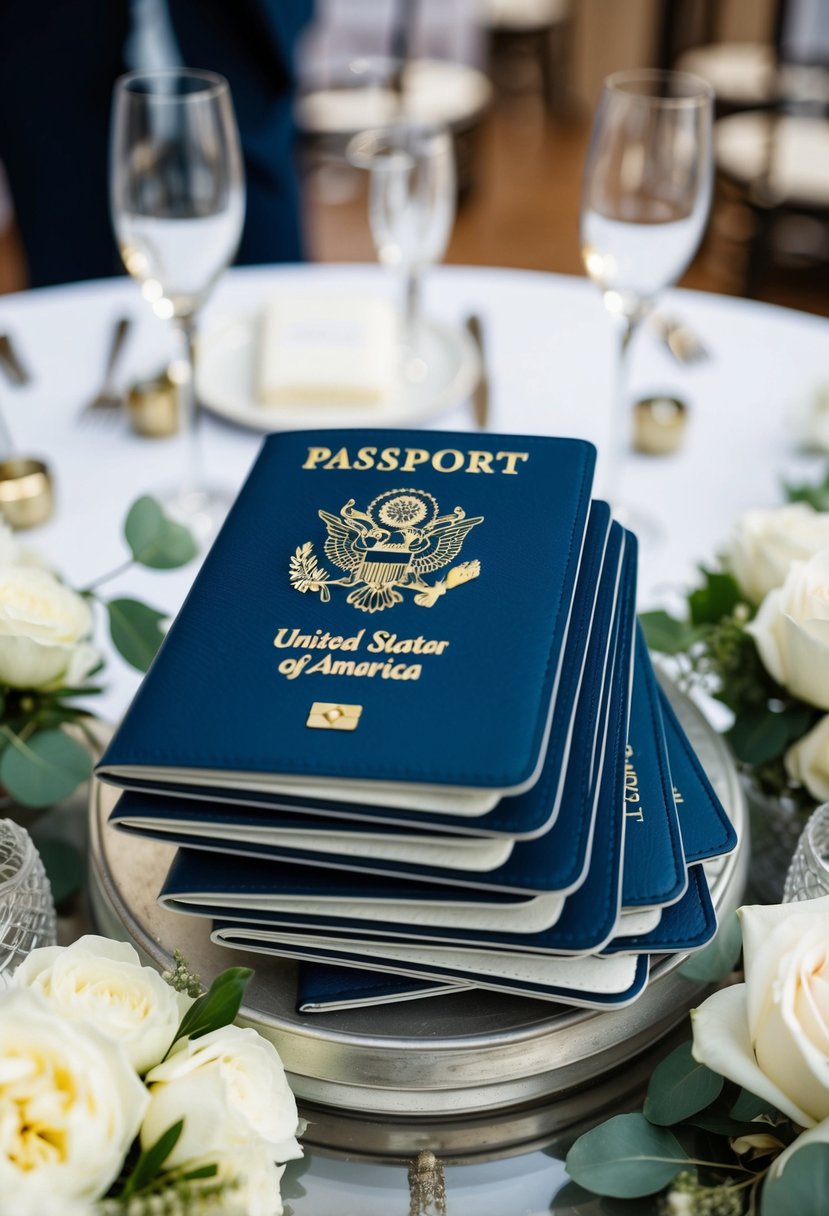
x=229, y=1086
x=254, y=1179
x=38, y=1199
x=103, y=983
x=807, y=761
x=771, y=1034
x=791, y=630
x=44, y=627
x=766, y=542
x=70, y=1105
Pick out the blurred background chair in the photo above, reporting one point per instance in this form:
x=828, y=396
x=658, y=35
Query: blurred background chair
x=365, y=62
x=772, y=134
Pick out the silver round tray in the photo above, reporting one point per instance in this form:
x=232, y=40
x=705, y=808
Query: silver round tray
x=486, y=1070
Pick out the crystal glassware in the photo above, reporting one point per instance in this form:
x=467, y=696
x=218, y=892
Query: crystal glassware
x=808, y=876
x=178, y=205
x=27, y=913
x=645, y=203
x=412, y=194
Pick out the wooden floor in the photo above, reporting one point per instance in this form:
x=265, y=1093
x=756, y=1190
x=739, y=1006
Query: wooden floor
x=523, y=210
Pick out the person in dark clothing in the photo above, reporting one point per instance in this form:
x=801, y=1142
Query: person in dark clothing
x=58, y=64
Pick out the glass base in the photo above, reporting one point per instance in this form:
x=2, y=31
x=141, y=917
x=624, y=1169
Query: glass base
x=202, y=511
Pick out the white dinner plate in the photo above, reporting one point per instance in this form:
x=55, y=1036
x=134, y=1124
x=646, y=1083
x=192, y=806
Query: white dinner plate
x=440, y=372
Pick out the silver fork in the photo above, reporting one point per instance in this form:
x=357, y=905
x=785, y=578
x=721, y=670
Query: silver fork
x=14, y=368
x=107, y=402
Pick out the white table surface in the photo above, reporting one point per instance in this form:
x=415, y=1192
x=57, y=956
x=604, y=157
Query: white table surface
x=549, y=356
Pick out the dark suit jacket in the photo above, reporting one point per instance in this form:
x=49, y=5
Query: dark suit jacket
x=58, y=62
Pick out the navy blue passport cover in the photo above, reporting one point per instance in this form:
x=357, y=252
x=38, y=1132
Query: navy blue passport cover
x=556, y=860
x=520, y=816
x=706, y=829
x=321, y=988
x=416, y=539
x=237, y=937
x=654, y=863
x=589, y=914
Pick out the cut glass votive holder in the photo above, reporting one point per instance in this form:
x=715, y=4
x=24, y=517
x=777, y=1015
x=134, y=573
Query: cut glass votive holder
x=808, y=876
x=27, y=912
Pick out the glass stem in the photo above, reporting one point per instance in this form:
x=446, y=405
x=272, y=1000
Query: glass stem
x=619, y=431
x=192, y=479
x=411, y=310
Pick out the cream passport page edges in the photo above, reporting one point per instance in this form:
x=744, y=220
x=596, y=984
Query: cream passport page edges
x=327, y=350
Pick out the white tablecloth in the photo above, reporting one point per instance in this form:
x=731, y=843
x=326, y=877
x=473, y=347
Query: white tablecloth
x=549, y=356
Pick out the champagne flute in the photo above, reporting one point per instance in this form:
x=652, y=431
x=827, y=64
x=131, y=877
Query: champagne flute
x=178, y=205
x=645, y=203
x=412, y=194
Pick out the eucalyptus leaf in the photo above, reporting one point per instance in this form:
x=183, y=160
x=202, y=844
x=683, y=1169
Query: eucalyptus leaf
x=718, y=958
x=155, y=540
x=749, y=1106
x=151, y=1160
x=759, y=735
x=218, y=1006
x=722, y=1125
x=667, y=634
x=680, y=1087
x=626, y=1157
x=803, y=1187
x=717, y=597
x=43, y=768
x=136, y=631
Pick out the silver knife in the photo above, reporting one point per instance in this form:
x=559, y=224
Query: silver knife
x=480, y=394
x=10, y=362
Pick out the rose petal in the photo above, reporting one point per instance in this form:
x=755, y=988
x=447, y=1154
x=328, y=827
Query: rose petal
x=762, y=630
x=814, y=1135
x=806, y=662
x=769, y=932
x=786, y=1056
x=722, y=1043
x=807, y=761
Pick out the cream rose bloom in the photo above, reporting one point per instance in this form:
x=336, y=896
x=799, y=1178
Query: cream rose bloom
x=44, y=627
x=229, y=1086
x=70, y=1105
x=771, y=1034
x=255, y=1180
x=791, y=630
x=807, y=761
x=102, y=982
x=766, y=542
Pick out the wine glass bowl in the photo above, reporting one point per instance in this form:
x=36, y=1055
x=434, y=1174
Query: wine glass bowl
x=646, y=196
x=412, y=193
x=647, y=184
x=178, y=203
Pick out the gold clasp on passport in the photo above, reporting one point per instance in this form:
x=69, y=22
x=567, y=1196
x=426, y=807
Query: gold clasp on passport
x=327, y=715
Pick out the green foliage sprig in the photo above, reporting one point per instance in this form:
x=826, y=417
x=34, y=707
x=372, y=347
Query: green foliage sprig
x=40, y=763
x=159, y=544
x=147, y=1186
x=703, y=1138
x=713, y=651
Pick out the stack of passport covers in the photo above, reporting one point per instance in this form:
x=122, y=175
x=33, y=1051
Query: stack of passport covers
x=404, y=729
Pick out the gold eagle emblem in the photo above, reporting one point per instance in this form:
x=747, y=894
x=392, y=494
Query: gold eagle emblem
x=388, y=548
